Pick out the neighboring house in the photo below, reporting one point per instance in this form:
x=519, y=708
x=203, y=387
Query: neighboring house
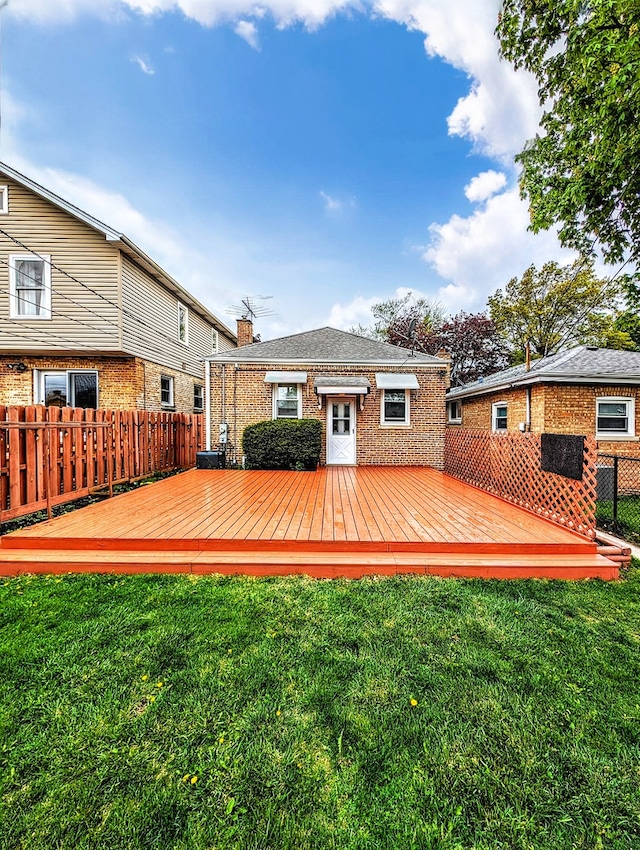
x=380, y=404
x=87, y=319
x=586, y=390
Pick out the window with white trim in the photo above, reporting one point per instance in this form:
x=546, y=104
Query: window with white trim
x=198, y=398
x=4, y=200
x=67, y=388
x=166, y=391
x=183, y=324
x=394, y=407
x=454, y=411
x=499, y=416
x=29, y=286
x=214, y=341
x=615, y=417
x=287, y=401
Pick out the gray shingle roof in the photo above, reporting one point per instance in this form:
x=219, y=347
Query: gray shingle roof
x=582, y=364
x=326, y=345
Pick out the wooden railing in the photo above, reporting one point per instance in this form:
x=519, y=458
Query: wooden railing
x=51, y=455
x=509, y=465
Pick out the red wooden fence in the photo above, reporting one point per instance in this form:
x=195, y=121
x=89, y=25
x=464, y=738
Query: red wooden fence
x=508, y=465
x=50, y=455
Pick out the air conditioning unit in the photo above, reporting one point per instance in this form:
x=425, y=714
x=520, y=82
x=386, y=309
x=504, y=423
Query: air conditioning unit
x=210, y=460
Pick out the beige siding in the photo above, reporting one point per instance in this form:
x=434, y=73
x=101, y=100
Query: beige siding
x=85, y=313
x=150, y=324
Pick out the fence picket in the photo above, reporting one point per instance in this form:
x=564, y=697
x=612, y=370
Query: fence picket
x=50, y=455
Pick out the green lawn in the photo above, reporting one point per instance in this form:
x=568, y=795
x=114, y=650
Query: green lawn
x=628, y=519
x=170, y=712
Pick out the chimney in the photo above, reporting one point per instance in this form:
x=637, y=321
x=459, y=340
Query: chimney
x=245, y=331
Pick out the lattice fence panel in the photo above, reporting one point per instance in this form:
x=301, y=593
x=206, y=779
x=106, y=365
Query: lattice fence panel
x=508, y=465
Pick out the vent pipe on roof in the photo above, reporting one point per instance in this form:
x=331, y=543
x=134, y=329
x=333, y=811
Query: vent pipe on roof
x=527, y=351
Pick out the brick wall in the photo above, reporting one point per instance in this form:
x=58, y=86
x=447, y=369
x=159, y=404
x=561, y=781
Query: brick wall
x=124, y=383
x=556, y=409
x=248, y=399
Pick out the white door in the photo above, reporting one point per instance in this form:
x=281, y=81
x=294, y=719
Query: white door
x=341, y=431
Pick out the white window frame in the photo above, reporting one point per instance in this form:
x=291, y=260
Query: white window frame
x=214, y=341
x=171, y=381
x=183, y=307
x=45, y=307
x=455, y=420
x=200, y=408
x=494, y=417
x=39, y=376
x=4, y=200
x=275, y=401
x=396, y=423
x=630, y=433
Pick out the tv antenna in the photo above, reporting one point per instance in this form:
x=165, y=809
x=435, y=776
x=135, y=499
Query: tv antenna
x=249, y=309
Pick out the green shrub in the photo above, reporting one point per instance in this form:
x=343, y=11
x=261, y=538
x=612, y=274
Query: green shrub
x=282, y=444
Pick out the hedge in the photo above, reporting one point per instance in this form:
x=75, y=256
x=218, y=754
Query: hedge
x=282, y=444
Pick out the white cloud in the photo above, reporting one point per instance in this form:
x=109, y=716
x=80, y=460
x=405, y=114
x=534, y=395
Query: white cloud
x=249, y=32
x=486, y=184
x=334, y=205
x=144, y=66
x=479, y=253
x=356, y=312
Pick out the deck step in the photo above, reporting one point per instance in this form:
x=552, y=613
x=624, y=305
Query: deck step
x=318, y=564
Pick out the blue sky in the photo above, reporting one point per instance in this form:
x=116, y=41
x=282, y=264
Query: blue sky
x=326, y=154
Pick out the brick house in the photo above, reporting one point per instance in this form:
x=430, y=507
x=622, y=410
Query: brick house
x=380, y=404
x=88, y=319
x=586, y=390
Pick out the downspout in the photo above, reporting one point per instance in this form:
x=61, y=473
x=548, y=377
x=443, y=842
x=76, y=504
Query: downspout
x=207, y=405
x=527, y=424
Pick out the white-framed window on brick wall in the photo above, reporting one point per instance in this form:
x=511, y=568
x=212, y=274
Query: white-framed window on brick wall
x=499, y=412
x=615, y=417
x=198, y=398
x=287, y=401
x=454, y=411
x=166, y=391
x=66, y=388
x=29, y=286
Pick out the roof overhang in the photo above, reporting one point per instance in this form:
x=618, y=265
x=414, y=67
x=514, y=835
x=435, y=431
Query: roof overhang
x=396, y=381
x=610, y=379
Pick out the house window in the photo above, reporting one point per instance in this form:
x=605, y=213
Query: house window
x=67, y=389
x=287, y=401
x=166, y=391
x=214, y=341
x=615, y=417
x=454, y=409
x=395, y=407
x=4, y=200
x=183, y=324
x=29, y=286
x=499, y=416
x=198, y=398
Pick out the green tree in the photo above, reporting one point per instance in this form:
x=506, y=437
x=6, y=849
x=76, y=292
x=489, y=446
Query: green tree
x=555, y=307
x=428, y=315
x=582, y=172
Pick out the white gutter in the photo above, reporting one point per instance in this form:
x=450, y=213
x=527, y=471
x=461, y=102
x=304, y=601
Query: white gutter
x=207, y=405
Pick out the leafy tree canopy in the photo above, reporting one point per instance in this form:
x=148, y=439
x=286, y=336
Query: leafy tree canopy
x=583, y=172
x=556, y=307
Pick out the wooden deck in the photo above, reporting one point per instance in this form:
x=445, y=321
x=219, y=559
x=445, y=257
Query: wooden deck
x=338, y=521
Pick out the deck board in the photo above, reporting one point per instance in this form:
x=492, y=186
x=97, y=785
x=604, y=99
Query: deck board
x=416, y=512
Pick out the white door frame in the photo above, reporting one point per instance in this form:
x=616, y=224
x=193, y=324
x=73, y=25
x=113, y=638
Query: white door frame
x=350, y=445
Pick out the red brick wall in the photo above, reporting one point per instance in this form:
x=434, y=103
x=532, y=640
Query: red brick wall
x=249, y=399
x=556, y=409
x=124, y=383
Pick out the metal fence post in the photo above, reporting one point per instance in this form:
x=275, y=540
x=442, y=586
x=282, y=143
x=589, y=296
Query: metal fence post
x=615, y=490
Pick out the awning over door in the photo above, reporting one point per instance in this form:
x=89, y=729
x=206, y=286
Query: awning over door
x=341, y=385
x=396, y=381
x=285, y=378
